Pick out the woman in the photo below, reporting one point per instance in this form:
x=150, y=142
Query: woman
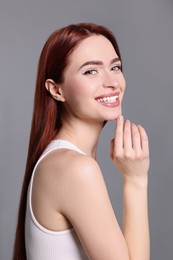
x=65, y=211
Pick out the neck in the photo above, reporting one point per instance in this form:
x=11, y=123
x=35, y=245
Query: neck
x=84, y=135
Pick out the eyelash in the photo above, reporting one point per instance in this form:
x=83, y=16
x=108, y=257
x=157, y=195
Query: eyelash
x=117, y=66
x=90, y=71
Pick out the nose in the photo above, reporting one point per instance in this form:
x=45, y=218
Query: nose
x=110, y=81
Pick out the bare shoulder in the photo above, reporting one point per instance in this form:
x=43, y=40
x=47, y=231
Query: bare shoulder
x=56, y=179
x=82, y=167
x=63, y=161
x=67, y=167
x=65, y=174
x=80, y=172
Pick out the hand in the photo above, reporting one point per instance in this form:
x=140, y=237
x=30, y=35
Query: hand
x=129, y=149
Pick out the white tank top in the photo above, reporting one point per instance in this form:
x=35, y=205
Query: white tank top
x=41, y=243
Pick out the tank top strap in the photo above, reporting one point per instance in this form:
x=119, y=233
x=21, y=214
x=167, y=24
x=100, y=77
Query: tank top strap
x=58, y=144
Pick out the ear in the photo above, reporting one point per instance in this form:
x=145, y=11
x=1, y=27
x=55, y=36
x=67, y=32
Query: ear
x=55, y=90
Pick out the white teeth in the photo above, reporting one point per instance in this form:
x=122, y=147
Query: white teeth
x=108, y=99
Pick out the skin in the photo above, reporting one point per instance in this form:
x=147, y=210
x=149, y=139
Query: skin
x=55, y=197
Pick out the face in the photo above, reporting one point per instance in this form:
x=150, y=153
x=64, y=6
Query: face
x=93, y=85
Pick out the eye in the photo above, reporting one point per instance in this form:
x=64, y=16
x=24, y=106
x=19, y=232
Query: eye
x=117, y=68
x=90, y=72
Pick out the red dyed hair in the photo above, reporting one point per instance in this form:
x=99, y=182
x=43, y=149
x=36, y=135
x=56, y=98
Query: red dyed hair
x=46, y=120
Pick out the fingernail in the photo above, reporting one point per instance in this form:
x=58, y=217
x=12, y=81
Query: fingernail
x=121, y=118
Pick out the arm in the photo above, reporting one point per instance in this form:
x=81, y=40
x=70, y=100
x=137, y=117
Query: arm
x=130, y=153
x=85, y=202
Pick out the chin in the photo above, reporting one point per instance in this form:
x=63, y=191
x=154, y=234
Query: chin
x=113, y=116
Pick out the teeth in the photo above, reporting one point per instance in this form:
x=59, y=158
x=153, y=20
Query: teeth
x=108, y=99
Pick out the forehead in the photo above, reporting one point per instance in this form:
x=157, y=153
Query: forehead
x=95, y=47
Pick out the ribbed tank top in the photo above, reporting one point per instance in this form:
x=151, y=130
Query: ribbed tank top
x=44, y=244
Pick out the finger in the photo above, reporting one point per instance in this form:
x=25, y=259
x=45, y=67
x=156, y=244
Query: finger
x=127, y=136
x=118, y=139
x=136, y=138
x=144, y=139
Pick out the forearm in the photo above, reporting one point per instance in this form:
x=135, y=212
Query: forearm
x=135, y=219
x=130, y=153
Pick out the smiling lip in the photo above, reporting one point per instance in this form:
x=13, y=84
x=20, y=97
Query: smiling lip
x=109, y=100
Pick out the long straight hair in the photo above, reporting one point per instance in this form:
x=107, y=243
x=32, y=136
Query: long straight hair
x=46, y=120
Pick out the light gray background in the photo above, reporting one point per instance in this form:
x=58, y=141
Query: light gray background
x=144, y=29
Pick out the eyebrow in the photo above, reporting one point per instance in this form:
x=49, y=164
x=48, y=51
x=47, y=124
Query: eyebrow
x=97, y=62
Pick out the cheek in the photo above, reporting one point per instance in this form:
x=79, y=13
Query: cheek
x=75, y=91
